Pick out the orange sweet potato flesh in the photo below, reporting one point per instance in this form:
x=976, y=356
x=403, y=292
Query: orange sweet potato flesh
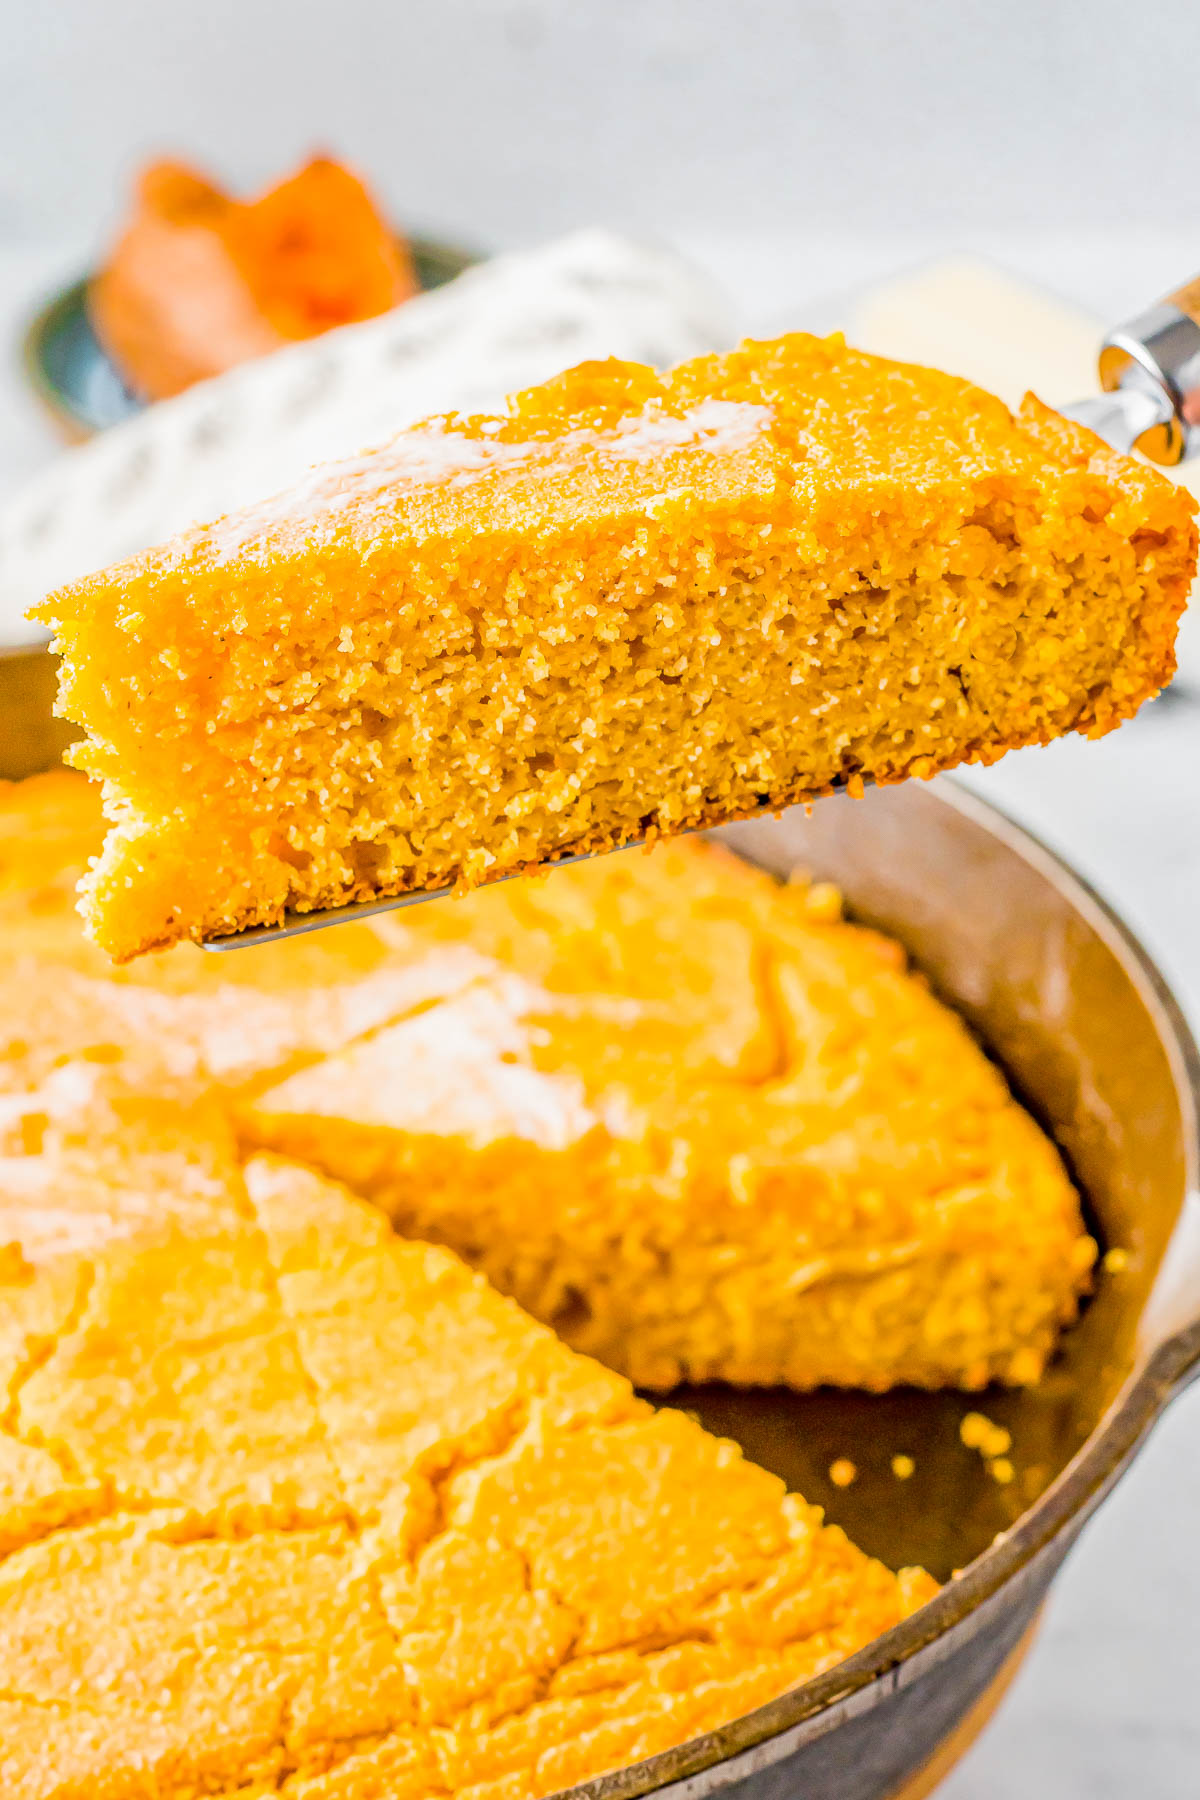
x=200, y=281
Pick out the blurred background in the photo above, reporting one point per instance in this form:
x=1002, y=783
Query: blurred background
x=880, y=128
x=979, y=186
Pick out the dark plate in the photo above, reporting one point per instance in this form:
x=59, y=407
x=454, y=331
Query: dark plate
x=81, y=387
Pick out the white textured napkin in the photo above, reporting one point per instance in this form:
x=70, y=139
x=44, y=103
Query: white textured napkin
x=243, y=436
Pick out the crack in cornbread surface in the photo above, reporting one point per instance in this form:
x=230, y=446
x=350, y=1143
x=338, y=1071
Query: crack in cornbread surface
x=688, y=1117
x=293, y=1506
x=628, y=606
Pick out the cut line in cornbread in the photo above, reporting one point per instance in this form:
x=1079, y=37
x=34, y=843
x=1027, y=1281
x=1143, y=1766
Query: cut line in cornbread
x=289, y=1505
x=630, y=605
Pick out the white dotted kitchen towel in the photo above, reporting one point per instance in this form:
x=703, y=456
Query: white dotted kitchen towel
x=243, y=436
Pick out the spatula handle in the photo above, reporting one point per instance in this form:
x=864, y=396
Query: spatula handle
x=1187, y=298
x=1159, y=352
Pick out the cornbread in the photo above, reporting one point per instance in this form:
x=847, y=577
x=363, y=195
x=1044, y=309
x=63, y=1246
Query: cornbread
x=978, y=1432
x=630, y=605
x=183, y=1022
x=289, y=1505
x=688, y=1117
x=848, y=1195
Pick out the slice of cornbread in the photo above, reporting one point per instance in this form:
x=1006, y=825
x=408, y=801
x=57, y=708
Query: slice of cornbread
x=854, y=1198
x=333, y=1518
x=629, y=605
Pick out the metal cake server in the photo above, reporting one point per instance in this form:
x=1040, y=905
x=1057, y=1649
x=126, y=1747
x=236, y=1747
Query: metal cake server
x=1149, y=376
x=295, y=924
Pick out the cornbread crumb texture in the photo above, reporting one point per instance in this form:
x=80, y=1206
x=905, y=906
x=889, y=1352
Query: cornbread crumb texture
x=291, y=1505
x=629, y=604
x=688, y=1117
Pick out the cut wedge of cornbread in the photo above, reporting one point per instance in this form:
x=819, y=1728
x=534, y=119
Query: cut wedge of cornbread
x=849, y=1194
x=630, y=605
x=290, y=1505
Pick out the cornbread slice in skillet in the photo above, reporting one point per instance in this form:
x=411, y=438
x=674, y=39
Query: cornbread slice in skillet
x=338, y=1519
x=628, y=605
x=854, y=1197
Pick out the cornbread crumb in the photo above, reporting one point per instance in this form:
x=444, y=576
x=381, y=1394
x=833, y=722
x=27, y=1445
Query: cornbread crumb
x=823, y=903
x=981, y=1433
x=903, y=1467
x=973, y=1428
x=978, y=1432
x=1115, y=1261
x=842, y=1472
x=628, y=606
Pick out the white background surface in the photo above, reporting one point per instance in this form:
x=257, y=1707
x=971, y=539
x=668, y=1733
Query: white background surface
x=517, y=118
x=798, y=150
